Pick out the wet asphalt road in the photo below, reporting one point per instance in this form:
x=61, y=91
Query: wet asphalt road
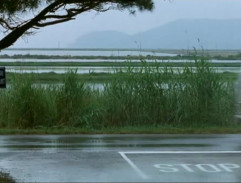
x=122, y=158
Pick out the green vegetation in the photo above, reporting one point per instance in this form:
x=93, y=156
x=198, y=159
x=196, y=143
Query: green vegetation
x=5, y=178
x=232, y=129
x=159, y=96
x=52, y=77
x=144, y=99
x=130, y=57
x=188, y=56
x=112, y=64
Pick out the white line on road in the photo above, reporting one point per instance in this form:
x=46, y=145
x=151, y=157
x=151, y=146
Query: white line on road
x=181, y=152
x=137, y=170
x=144, y=176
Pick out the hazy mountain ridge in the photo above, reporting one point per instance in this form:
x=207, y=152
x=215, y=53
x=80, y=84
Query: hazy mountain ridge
x=181, y=34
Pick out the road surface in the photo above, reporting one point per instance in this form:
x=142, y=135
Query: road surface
x=122, y=158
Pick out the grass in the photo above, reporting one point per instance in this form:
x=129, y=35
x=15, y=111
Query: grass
x=232, y=129
x=91, y=77
x=159, y=96
x=141, y=100
x=52, y=77
x=129, y=57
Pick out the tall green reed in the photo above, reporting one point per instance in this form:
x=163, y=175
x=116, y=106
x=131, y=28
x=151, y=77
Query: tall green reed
x=143, y=96
x=24, y=105
x=73, y=101
x=167, y=96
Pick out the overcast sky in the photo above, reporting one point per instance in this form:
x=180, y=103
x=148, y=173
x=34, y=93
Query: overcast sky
x=165, y=11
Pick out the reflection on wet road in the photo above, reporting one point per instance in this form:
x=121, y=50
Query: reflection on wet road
x=122, y=158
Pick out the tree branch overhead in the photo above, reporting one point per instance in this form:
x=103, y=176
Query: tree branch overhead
x=51, y=12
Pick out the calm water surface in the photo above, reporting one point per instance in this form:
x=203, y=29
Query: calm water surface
x=107, y=60
x=83, y=52
x=86, y=70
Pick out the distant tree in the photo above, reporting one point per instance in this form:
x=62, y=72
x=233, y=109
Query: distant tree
x=15, y=21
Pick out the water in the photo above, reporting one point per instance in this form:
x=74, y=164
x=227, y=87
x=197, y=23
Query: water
x=107, y=60
x=76, y=52
x=86, y=70
x=59, y=70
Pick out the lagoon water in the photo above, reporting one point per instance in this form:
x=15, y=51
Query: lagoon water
x=106, y=60
x=86, y=70
x=81, y=52
x=59, y=70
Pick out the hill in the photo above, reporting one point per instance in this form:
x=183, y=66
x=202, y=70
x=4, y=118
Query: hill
x=181, y=34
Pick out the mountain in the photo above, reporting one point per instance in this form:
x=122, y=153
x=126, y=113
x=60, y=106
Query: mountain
x=181, y=34
x=105, y=39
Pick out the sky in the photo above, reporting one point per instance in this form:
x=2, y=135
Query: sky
x=62, y=35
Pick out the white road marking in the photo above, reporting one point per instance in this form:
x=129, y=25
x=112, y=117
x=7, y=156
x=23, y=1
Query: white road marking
x=181, y=152
x=144, y=176
x=137, y=170
x=229, y=167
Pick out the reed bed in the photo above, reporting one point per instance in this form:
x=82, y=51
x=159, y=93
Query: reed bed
x=139, y=97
